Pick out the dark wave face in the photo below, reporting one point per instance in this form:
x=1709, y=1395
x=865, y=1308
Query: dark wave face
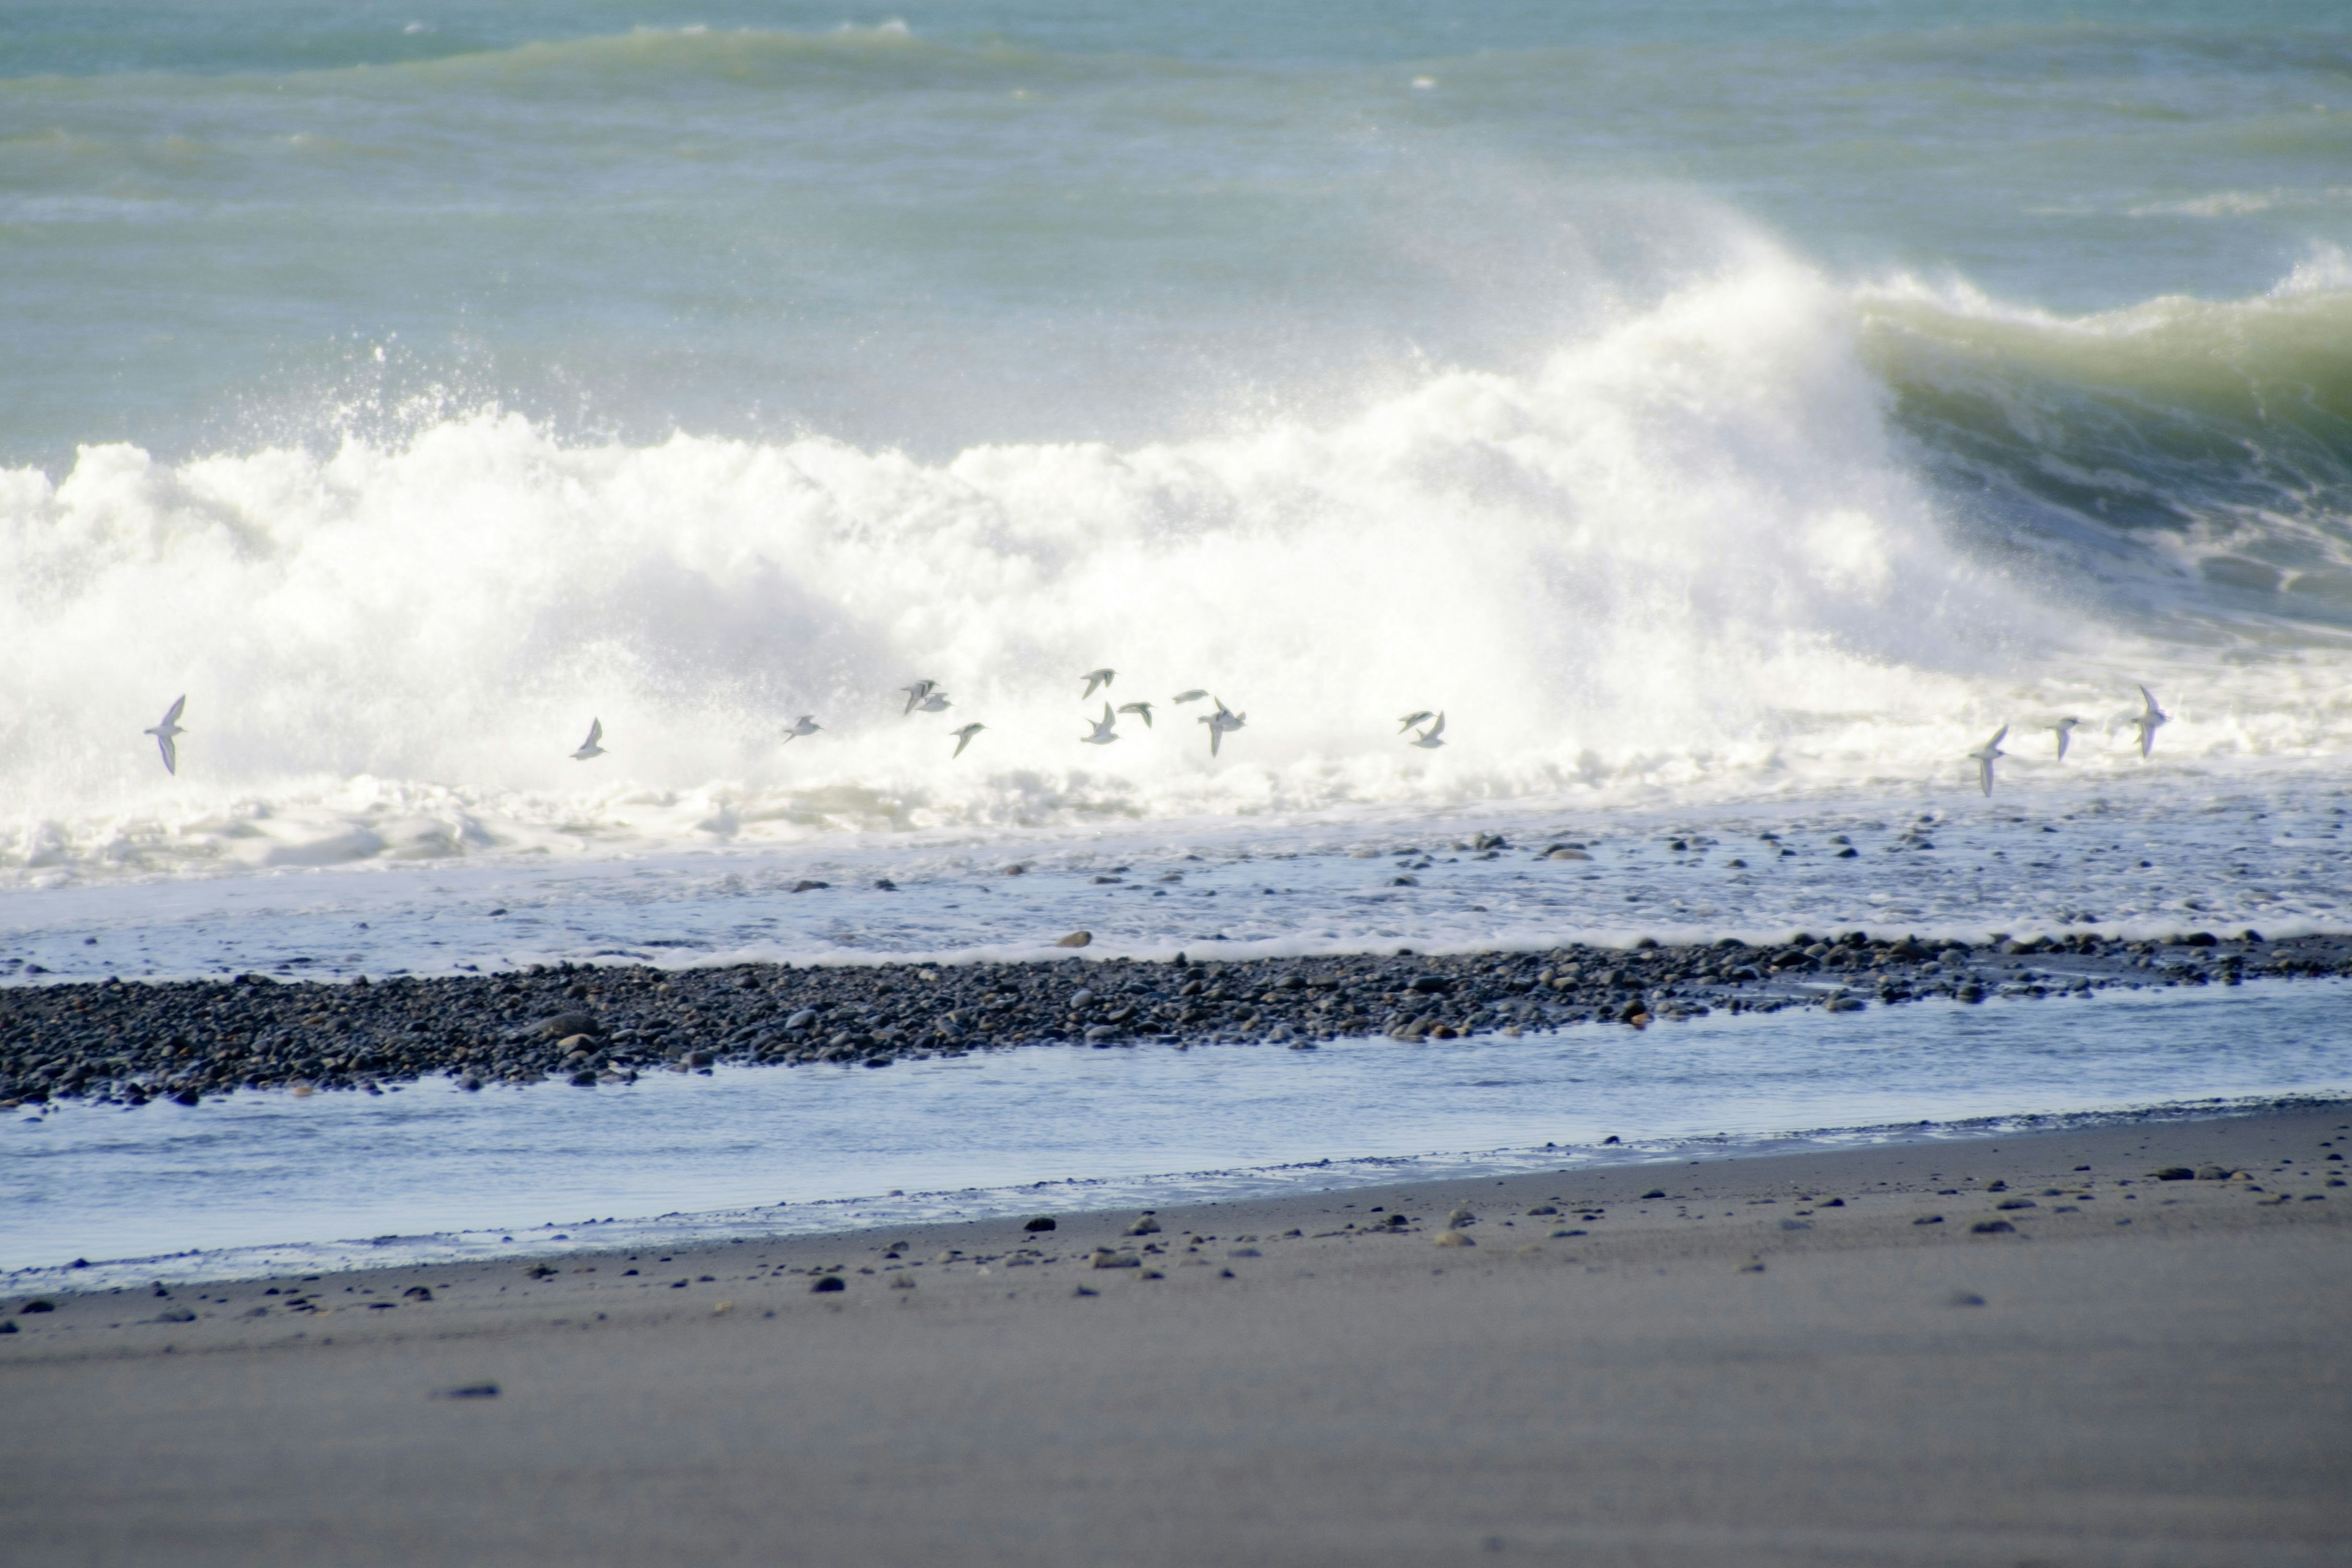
x=2184, y=460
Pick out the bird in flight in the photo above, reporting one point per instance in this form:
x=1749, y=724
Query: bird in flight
x=1428, y=740
x=1192, y=696
x=2149, y=721
x=963, y=737
x=1141, y=709
x=1103, y=734
x=936, y=702
x=1220, y=723
x=805, y=725
x=916, y=693
x=167, y=735
x=1094, y=678
x=1985, y=756
x=2065, y=729
x=589, y=748
x=1410, y=719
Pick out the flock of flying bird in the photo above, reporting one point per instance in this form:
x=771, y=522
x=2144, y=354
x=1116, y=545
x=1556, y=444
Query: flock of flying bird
x=929, y=697
x=2148, y=722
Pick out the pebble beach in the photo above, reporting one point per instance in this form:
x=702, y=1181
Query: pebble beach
x=592, y=1027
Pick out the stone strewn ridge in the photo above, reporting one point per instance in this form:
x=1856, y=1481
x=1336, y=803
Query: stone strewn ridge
x=132, y=1042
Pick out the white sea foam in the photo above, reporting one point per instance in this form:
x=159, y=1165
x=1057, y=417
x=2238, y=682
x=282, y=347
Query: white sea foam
x=1683, y=556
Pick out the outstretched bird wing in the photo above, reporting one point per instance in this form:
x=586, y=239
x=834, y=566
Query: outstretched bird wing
x=179, y=705
x=171, y=754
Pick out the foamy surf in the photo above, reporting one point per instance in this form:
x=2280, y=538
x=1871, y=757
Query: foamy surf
x=1686, y=557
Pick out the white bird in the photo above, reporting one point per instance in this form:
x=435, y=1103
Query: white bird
x=1985, y=755
x=1094, y=678
x=1428, y=740
x=963, y=737
x=805, y=725
x=1103, y=735
x=936, y=702
x=166, y=735
x=1141, y=709
x=2065, y=729
x=1220, y=723
x=917, y=692
x=2149, y=722
x=1424, y=716
x=1192, y=696
x=589, y=748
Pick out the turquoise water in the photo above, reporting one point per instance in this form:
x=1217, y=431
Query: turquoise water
x=935, y=224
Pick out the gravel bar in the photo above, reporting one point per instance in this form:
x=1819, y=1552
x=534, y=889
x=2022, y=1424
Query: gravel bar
x=125, y=1042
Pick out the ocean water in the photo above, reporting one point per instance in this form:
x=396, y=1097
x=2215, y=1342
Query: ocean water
x=260, y=1183
x=1727, y=416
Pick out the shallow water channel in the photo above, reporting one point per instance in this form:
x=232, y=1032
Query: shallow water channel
x=259, y=1182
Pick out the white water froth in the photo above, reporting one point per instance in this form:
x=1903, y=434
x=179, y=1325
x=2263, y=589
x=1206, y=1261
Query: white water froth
x=1682, y=558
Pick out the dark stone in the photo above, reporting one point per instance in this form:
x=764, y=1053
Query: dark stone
x=1653, y=1193
x=826, y=1284
x=2174, y=1173
x=38, y=1306
x=1042, y=1222
x=474, y=1391
x=1992, y=1227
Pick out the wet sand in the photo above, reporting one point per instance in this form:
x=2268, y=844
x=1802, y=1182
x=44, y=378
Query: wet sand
x=1739, y=1370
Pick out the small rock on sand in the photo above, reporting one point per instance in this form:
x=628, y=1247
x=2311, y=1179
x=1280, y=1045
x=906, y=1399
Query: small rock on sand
x=1075, y=939
x=1992, y=1227
x=1453, y=1238
x=1460, y=1217
x=1146, y=1225
x=827, y=1282
x=1042, y=1222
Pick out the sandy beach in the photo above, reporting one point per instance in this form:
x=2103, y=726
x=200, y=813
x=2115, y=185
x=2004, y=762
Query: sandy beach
x=2027, y=1348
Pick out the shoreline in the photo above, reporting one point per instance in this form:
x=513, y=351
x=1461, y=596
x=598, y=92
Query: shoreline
x=1330, y=1177
x=129, y=1042
x=1927, y=1351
